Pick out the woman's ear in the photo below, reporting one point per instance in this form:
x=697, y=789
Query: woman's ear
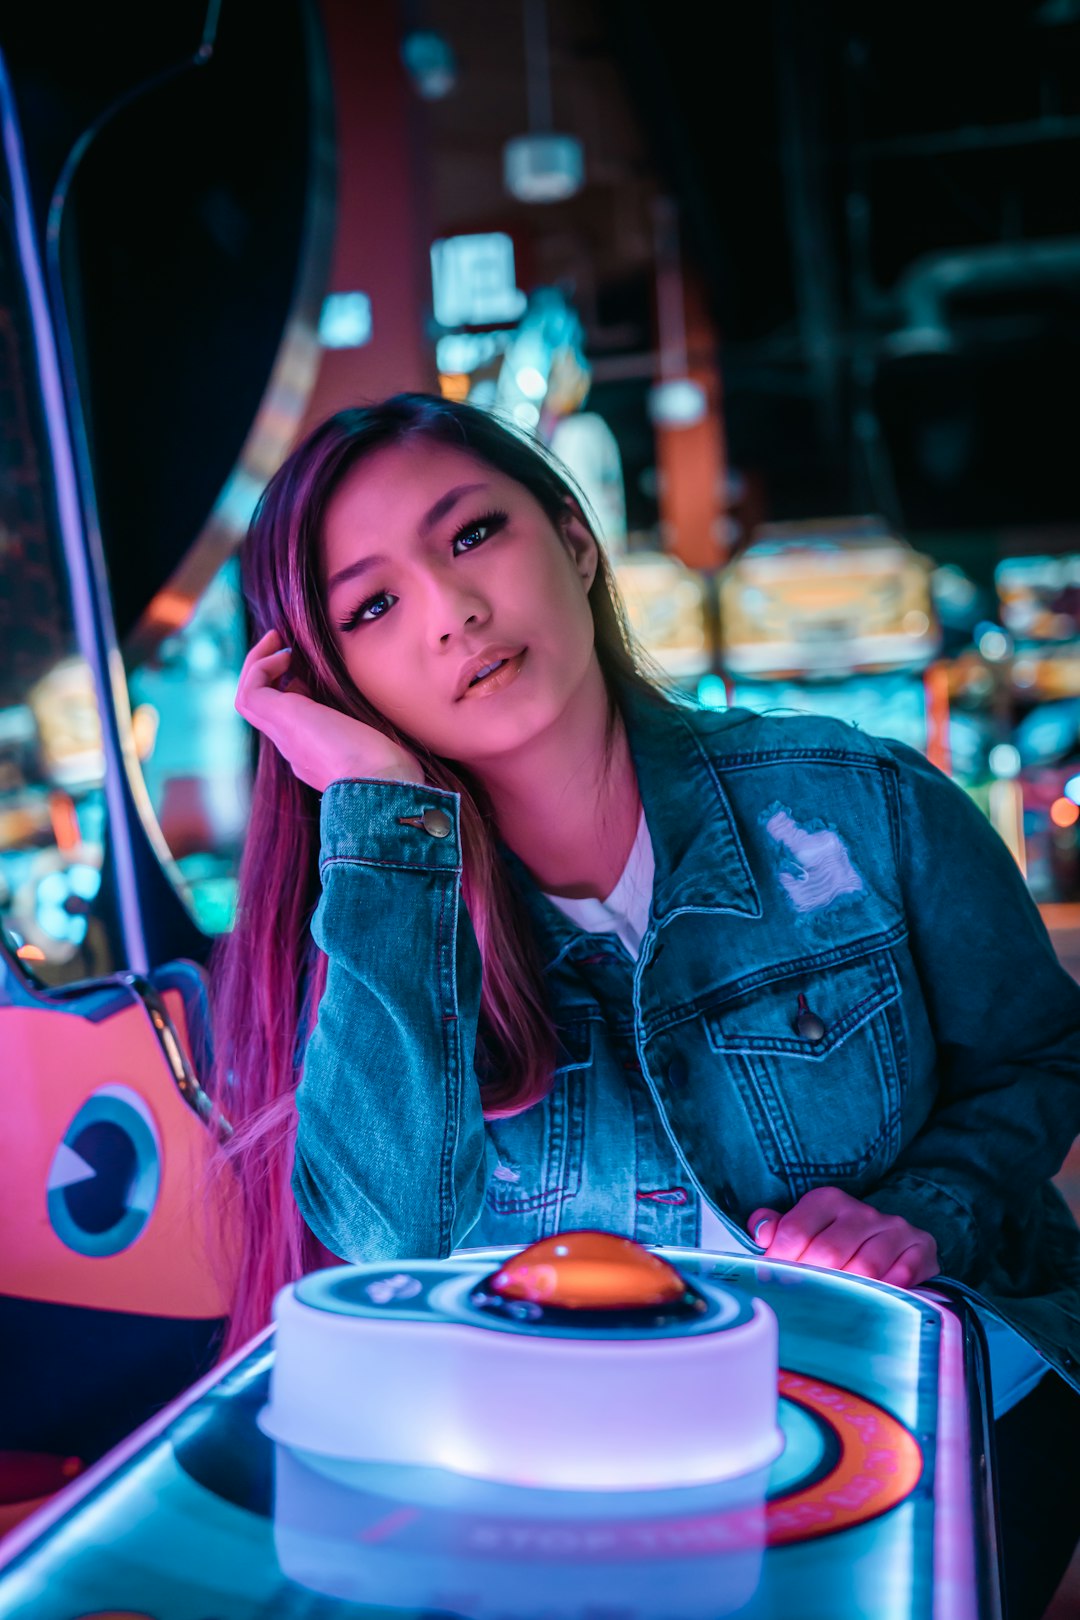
x=579, y=540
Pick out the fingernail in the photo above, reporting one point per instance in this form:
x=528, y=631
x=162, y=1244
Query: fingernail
x=764, y=1221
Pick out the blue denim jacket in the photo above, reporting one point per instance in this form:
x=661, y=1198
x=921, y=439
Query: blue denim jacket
x=801, y=867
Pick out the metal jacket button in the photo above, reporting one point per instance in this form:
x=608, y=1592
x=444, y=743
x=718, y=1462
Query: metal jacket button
x=435, y=822
x=807, y=1024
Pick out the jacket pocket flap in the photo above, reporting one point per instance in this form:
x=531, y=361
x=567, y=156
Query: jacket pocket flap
x=829, y=1004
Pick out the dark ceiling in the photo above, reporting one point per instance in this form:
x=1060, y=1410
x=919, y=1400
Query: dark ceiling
x=819, y=152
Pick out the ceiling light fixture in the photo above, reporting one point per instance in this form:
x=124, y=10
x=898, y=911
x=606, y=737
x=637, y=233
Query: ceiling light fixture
x=541, y=166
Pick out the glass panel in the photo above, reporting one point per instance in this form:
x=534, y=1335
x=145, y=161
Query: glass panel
x=194, y=749
x=52, y=802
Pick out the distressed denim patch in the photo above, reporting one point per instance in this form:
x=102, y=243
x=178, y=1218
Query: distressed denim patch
x=818, y=868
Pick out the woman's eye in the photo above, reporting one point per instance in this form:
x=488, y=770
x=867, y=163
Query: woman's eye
x=467, y=539
x=477, y=533
x=368, y=611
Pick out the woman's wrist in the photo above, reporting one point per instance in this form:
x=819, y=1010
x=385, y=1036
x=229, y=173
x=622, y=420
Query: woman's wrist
x=408, y=771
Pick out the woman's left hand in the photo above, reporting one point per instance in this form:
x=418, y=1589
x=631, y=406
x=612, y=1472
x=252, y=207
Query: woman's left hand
x=827, y=1227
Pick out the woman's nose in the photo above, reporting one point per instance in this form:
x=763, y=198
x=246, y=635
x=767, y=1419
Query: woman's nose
x=455, y=607
x=448, y=635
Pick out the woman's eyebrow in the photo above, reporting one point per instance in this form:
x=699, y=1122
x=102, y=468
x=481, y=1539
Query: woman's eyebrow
x=360, y=566
x=444, y=504
x=431, y=517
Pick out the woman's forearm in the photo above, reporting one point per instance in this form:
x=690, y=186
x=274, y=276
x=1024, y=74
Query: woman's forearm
x=390, y=1148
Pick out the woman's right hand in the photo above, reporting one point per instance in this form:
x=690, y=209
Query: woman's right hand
x=321, y=744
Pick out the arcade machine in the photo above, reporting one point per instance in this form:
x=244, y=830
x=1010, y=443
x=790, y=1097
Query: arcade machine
x=666, y=605
x=117, y=1233
x=839, y=617
x=585, y=1426
x=1040, y=610
x=836, y=617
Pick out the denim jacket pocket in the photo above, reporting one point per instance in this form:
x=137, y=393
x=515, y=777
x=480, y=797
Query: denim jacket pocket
x=541, y=1150
x=819, y=1055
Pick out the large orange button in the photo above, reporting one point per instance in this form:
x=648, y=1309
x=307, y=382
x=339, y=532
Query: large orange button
x=588, y=1271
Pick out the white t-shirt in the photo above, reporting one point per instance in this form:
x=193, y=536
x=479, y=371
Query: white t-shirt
x=626, y=910
x=1015, y=1368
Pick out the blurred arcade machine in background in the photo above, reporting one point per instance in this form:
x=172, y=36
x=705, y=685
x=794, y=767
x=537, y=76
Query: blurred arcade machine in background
x=841, y=617
x=167, y=249
x=1040, y=616
x=836, y=617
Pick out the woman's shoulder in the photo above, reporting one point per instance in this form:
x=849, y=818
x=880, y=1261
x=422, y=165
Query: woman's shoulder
x=819, y=755
x=815, y=747
x=740, y=735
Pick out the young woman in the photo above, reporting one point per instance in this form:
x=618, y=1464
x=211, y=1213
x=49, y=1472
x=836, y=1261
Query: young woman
x=526, y=943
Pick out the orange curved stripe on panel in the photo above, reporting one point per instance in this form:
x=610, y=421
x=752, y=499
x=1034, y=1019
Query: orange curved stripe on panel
x=879, y=1465
x=53, y=1061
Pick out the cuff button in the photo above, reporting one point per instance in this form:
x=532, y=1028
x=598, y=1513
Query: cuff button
x=437, y=823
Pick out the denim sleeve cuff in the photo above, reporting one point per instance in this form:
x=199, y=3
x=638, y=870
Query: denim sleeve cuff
x=376, y=822
x=931, y=1207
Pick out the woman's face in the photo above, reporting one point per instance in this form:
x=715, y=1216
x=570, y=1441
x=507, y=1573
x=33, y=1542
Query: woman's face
x=432, y=560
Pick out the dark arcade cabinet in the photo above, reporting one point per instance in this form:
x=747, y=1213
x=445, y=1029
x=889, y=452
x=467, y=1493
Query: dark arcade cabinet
x=162, y=243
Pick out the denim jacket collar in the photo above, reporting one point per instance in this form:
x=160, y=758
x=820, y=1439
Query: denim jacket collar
x=700, y=861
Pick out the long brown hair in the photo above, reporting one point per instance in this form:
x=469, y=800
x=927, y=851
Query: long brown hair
x=267, y=976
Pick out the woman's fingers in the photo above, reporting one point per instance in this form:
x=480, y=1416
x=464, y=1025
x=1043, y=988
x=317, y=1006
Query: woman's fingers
x=899, y=1254
x=269, y=669
x=837, y=1243
x=917, y=1264
x=263, y=668
x=815, y=1211
x=762, y=1224
x=319, y=742
x=273, y=641
x=828, y=1227
x=265, y=651
x=879, y=1253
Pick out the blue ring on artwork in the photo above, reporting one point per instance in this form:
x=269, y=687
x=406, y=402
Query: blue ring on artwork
x=142, y=1195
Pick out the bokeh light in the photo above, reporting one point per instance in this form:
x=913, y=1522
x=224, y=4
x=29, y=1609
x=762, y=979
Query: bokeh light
x=1004, y=760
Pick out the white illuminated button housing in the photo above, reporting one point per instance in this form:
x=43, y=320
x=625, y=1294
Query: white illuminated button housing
x=398, y=1363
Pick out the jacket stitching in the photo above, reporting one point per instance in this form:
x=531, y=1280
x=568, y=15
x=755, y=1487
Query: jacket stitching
x=780, y=970
x=389, y=866
x=837, y=1033
x=823, y=756
x=514, y=1206
x=847, y=1167
x=730, y=825
x=450, y=1054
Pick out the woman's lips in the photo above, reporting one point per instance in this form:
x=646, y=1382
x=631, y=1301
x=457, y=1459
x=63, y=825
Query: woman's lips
x=498, y=678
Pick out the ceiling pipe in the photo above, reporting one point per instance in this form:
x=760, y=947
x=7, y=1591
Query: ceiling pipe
x=927, y=287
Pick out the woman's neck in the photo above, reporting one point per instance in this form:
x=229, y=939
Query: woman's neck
x=565, y=812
